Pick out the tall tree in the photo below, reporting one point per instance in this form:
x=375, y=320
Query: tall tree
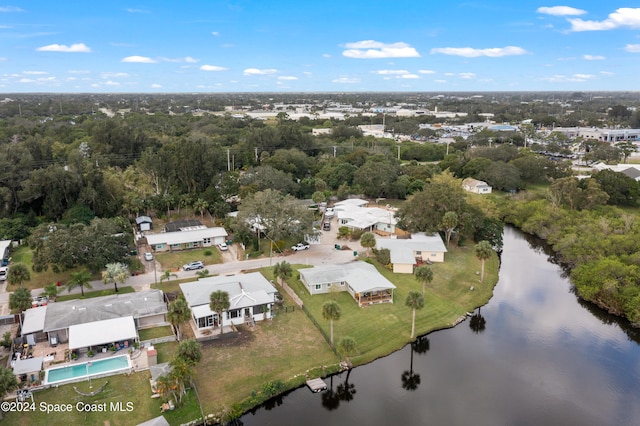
x=346, y=347
x=219, y=302
x=179, y=313
x=331, y=311
x=449, y=223
x=190, y=351
x=20, y=300
x=425, y=275
x=115, y=273
x=50, y=291
x=483, y=252
x=18, y=274
x=79, y=279
x=414, y=301
x=282, y=271
x=8, y=383
x=368, y=240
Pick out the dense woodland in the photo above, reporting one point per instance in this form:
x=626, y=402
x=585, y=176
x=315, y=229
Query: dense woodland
x=71, y=173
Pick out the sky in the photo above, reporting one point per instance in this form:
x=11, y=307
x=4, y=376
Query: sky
x=318, y=46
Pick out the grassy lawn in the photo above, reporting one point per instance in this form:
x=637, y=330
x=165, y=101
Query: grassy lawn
x=155, y=332
x=175, y=260
x=381, y=329
x=90, y=294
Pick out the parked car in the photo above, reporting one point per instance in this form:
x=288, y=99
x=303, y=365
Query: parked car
x=193, y=265
x=3, y=273
x=300, y=246
x=223, y=247
x=329, y=213
x=326, y=226
x=148, y=256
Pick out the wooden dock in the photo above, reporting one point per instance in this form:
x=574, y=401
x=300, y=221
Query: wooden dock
x=316, y=385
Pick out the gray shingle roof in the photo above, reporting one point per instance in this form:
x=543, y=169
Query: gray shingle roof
x=360, y=276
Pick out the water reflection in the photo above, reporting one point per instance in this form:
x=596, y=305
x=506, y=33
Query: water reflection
x=546, y=358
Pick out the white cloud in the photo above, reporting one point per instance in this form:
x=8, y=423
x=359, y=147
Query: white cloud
x=187, y=59
x=390, y=72
x=467, y=75
x=593, y=58
x=574, y=78
x=2, y=59
x=215, y=33
x=114, y=75
x=139, y=60
x=632, y=48
x=156, y=86
x=326, y=55
x=440, y=81
x=371, y=49
x=256, y=71
x=130, y=10
x=112, y=83
x=34, y=72
x=287, y=77
x=79, y=72
x=624, y=17
x=426, y=71
x=449, y=74
x=9, y=9
x=470, y=52
x=212, y=68
x=26, y=80
x=606, y=73
x=409, y=76
x=346, y=80
x=561, y=11
x=74, y=48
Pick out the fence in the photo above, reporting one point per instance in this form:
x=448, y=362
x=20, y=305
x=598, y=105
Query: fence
x=313, y=320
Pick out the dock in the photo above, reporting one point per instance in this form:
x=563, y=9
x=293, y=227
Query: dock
x=316, y=385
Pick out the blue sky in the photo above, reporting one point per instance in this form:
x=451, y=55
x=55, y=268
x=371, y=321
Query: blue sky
x=308, y=45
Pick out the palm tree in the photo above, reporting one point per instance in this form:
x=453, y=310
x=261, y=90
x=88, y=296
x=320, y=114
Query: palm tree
x=282, y=271
x=8, y=383
x=219, y=302
x=115, y=273
x=200, y=205
x=414, y=301
x=166, y=275
x=180, y=373
x=368, y=241
x=179, y=313
x=190, y=351
x=483, y=252
x=346, y=347
x=202, y=273
x=79, y=279
x=18, y=274
x=331, y=312
x=425, y=275
x=20, y=300
x=50, y=291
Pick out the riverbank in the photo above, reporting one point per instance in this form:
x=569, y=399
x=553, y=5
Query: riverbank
x=281, y=354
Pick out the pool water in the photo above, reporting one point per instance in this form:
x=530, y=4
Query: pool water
x=88, y=369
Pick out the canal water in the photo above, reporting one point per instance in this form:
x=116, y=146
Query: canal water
x=535, y=355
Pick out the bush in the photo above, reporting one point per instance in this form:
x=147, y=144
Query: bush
x=344, y=232
x=383, y=256
x=208, y=252
x=6, y=340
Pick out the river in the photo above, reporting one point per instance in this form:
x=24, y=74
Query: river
x=537, y=356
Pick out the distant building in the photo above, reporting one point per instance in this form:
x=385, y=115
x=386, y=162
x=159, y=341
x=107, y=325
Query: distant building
x=144, y=223
x=476, y=186
x=407, y=253
x=185, y=240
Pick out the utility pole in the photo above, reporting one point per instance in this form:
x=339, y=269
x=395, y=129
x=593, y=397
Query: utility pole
x=228, y=161
x=256, y=151
x=398, y=152
x=334, y=151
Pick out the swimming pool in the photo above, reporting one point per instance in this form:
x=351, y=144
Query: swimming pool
x=102, y=367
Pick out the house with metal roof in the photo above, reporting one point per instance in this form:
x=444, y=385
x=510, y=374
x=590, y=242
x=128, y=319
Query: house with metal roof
x=144, y=223
x=476, y=186
x=251, y=299
x=185, y=240
x=362, y=280
x=375, y=219
x=407, y=253
x=96, y=321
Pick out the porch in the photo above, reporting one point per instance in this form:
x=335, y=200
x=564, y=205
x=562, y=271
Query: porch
x=375, y=297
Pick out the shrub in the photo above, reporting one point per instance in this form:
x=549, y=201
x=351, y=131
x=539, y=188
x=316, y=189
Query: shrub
x=208, y=252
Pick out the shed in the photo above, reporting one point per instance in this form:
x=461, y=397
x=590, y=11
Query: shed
x=144, y=223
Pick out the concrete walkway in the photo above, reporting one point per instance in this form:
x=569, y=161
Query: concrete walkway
x=318, y=254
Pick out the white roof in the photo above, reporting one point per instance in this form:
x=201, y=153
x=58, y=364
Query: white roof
x=402, y=251
x=244, y=290
x=365, y=217
x=351, y=202
x=29, y=365
x=360, y=276
x=34, y=320
x=4, y=245
x=183, y=237
x=101, y=332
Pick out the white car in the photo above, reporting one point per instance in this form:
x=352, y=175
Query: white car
x=148, y=256
x=300, y=246
x=193, y=265
x=223, y=247
x=3, y=273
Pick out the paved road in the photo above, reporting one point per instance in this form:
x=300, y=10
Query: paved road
x=318, y=254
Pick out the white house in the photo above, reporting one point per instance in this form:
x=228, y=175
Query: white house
x=407, y=253
x=184, y=240
x=476, y=186
x=251, y=297
x=362, y=280
x=354, y=214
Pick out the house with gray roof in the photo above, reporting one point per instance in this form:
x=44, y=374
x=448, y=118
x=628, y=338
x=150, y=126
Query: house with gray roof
x=251, y=298
x=407, y=253
x=476, y=186
x=362, y=280
x=95, y=321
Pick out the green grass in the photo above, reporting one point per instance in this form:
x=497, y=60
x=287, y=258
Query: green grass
x=91, y=294
x=155, y=332
x=175, y=260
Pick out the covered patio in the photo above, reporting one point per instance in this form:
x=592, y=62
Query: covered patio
x=115, y=333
